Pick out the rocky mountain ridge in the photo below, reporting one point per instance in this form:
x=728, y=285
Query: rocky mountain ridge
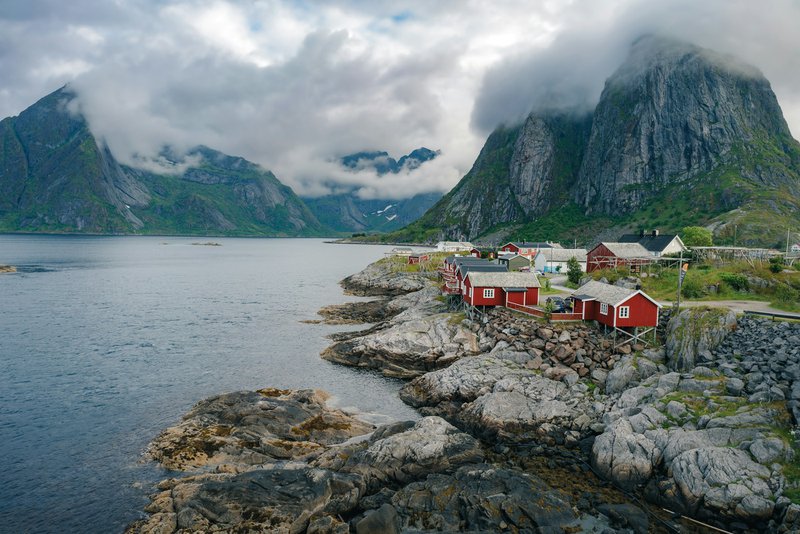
x=680, y=136
x=348, y=212
x=56, y=177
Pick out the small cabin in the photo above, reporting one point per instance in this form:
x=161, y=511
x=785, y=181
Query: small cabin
x=555, y=260
x=615, y=306
x=610, y=255
x=514, y=262
x=418, y=258
x=501, y=288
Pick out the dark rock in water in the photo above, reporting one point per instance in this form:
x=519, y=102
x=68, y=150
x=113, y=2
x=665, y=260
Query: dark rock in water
x=372, y=311
x=252, y=427
x=482, y=498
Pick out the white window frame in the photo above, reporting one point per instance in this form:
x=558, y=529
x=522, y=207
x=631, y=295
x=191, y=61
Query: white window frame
x=624, y=312
x=488, y=293
x=603, y=308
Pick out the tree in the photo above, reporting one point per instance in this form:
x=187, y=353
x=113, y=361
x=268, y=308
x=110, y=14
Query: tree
x=697, y=236
x=574, y=271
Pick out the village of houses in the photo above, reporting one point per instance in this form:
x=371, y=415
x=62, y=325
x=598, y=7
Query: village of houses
x=476, y=278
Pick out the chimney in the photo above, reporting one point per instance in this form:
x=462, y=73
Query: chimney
x=655, y=233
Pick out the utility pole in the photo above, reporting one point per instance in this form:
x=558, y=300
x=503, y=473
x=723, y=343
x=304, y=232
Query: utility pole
x=680, y=279
x=787, y=242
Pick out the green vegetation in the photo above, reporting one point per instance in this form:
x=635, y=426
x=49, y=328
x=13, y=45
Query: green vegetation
x=696, y=236
x=574, y=272
x=734, y=281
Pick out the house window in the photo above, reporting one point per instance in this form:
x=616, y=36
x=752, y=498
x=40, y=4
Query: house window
x=488, y=293
x=624, y=312
x=603, y=308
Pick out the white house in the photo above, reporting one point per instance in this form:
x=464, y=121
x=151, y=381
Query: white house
x=554, y=260
x=453, y=246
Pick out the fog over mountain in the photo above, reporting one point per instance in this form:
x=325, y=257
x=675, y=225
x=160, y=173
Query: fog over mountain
x=295, y=86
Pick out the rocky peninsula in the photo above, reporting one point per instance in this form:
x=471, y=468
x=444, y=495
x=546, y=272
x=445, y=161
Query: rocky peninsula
x=527, y=427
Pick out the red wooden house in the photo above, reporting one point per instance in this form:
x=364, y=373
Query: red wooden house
x=615, y=306
x=501, y=288
x=418, y=258
x=523, y=248
x=611, y=255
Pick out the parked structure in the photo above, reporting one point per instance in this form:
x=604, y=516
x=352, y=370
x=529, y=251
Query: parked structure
x=553, y=260
x=514, y=262
x=501, y=288
x=656, y=243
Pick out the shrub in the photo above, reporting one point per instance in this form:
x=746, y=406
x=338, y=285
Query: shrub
x=737, y=282
x=574, y=272
x=692, y=289
x=786, y=294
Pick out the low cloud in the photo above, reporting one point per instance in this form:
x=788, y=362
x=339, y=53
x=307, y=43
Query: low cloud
x=594, y=39
x=296, y=86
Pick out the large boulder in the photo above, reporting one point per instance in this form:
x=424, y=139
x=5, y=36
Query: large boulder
x=627, y=457
x=725, y=482
x=409, y=346
x=483, y=498
x=694, y=333
x=431, y=445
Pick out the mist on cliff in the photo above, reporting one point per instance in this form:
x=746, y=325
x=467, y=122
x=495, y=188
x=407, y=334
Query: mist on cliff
x=569, y=72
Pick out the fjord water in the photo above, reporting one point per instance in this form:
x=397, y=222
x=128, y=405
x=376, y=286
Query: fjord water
x=105, y=341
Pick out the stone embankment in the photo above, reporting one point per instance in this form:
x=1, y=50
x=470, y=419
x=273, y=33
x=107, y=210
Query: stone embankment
x=676, y=424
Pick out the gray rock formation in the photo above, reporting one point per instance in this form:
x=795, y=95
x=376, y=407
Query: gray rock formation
x=694, y=333
x=484, y=499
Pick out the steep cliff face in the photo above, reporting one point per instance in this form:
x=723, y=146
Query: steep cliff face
x=673, y=112
x=680, y=136
x=545, y=160
x=521, y=172
x=56, y=177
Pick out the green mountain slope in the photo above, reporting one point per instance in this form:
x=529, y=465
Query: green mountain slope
x=681, y=136
x=55, y=177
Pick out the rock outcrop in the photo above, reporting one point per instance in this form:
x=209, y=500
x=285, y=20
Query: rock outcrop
x=253, y=427
x=694, y=333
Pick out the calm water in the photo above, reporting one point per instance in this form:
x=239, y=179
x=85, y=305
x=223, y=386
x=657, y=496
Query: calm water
x=104, y=341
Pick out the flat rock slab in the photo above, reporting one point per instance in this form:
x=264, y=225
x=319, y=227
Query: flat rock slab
x=248, y=428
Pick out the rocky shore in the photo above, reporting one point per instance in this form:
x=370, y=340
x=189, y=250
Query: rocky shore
x=527, y=427
x=7, y=269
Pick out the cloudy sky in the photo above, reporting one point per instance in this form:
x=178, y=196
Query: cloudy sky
x=293, y=85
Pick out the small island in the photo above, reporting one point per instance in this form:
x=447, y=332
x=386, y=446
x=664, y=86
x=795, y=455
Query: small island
x=7, y=269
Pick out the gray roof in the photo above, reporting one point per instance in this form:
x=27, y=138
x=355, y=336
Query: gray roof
x=482, y=268
x=627, y=250
x=564, y=254
x=606, y=293
x=653, y=243
x=500, y=279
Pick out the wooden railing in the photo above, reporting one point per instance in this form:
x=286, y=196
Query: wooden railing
x=538, y=312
